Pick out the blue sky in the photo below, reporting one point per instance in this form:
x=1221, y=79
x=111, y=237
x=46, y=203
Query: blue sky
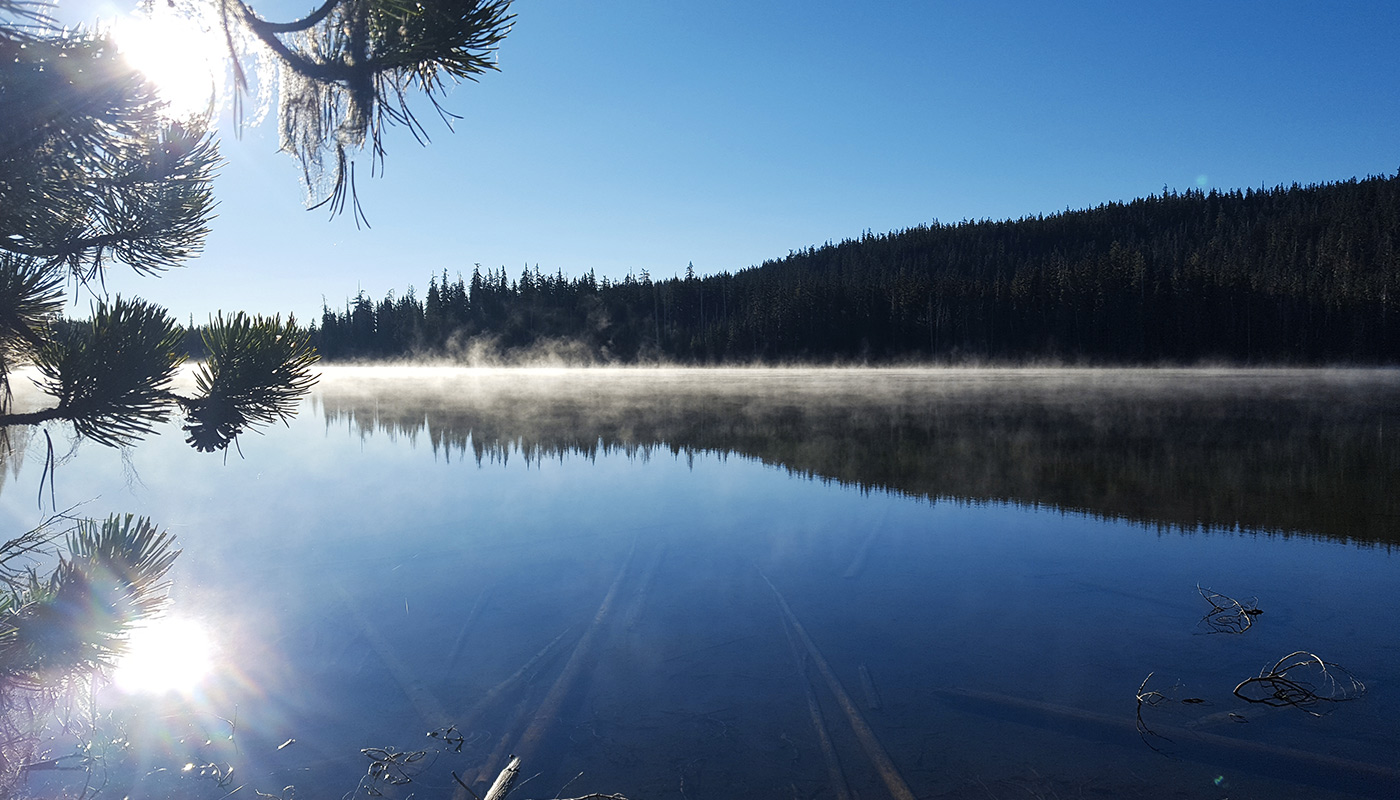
x=648, y=134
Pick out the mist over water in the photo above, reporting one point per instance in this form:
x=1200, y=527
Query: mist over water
x=583, y=567
x=1283, y=451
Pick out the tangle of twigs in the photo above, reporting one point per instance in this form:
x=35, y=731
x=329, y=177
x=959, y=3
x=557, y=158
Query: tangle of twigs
x=1302, y=680
x=390, y=767
x=1227, y=615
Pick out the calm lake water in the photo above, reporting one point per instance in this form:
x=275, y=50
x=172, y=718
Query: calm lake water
x=773, y=584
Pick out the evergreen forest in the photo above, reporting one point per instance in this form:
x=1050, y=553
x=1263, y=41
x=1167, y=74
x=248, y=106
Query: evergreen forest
x=1291, y=275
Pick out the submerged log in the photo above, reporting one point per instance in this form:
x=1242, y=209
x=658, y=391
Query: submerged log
x=548, y=712
x=1285, y=763
x=459, y=647
x=871, y=745
x=429, y=708
x=858, y=563
x=834, y=776
x=867, y=685
x=634, y=613
x=516, y=678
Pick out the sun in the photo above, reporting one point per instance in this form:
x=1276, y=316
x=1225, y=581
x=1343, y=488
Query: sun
x=170, y=654
x=184, y=59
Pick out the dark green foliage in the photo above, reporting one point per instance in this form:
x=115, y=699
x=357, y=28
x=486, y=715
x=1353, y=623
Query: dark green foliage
x=256, y=372
x=78, y=616
x=1299, y=274
x=112, y=375
x=30, y=294
x=89, y=173
x=91, y=176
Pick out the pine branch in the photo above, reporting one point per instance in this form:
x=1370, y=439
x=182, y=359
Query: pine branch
x=112, y=577
x=257, y=371
x=112, y=376
x=348, y=67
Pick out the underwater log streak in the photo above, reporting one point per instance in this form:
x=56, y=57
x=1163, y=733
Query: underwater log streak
x=548, y=712
x=648, y=579
x=460, y=645
x=1271, y=760
x=429, y=708
x=867, y=685
x=468, y=722
x=873, y=749
x=834, y=775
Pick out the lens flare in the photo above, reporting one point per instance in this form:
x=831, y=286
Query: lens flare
x=165, y=655
x=178, y=55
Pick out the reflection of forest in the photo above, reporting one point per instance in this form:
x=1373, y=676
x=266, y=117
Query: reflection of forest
x=1307, y=452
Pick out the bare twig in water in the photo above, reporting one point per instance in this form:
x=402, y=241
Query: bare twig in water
x=222, y=776
x=390, y=767
x=1227, y=615
x=1150, y=698
x=1302, y=680
x=449, y=736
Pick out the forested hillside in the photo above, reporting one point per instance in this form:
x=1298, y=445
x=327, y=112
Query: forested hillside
x=1299, y=274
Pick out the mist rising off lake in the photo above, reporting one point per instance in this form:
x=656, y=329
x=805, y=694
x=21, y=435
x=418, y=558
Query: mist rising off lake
x=768, y=583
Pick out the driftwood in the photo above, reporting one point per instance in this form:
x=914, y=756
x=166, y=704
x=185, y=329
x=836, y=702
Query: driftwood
x=872, y=747
x=501, y=786
x=503, y=781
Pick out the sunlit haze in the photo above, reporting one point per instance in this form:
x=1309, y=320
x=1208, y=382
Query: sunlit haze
x=170, y=654
x=177, y=55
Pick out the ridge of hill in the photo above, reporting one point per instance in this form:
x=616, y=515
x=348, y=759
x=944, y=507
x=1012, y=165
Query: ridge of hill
x=1296, y=274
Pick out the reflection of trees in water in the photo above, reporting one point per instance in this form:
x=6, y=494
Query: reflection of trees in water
x=12, y=445
x=1274, y=452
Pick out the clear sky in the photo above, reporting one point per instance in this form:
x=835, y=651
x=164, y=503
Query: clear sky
x=648, y=134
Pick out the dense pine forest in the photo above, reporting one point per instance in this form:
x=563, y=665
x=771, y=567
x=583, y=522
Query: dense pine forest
x=1299, y=274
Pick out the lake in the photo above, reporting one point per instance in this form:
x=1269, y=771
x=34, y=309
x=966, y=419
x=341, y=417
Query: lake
x=980, y=583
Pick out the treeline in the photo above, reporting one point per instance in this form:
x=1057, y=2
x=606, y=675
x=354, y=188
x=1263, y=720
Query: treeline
x=1298, y=274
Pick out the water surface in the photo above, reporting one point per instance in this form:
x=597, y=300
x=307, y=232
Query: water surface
x=585, y=568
